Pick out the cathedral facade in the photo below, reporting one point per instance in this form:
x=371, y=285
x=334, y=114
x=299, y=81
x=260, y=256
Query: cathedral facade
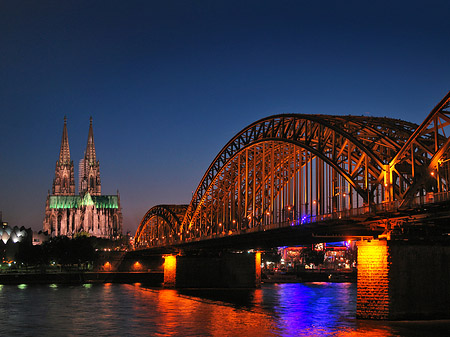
x=67, y=213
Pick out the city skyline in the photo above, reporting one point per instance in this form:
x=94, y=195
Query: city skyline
x=168, y=85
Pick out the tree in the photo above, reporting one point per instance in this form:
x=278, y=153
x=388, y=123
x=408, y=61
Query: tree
x=30, y=255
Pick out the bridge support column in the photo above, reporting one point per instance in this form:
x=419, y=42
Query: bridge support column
x=224, y=271
x=403, y=280
x=170, y=270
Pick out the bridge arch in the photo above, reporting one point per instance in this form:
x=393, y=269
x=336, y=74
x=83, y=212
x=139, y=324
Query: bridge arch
x=159, y=225
x=292, y=169
x=355, y=148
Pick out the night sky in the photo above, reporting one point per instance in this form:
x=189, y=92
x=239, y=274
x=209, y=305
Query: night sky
x=168, y=83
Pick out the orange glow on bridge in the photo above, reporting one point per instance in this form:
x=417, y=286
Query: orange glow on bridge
x=258, y=268
x=373, y=279
x=170, y=270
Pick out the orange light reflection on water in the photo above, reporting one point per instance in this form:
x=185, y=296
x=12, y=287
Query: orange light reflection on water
x=178, y=312
x=278, y=310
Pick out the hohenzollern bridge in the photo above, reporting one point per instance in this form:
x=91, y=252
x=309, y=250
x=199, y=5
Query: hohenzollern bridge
x=318, y=176
x=300, y=178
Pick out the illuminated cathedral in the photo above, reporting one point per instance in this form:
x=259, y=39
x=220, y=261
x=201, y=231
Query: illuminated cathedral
x=67, y=213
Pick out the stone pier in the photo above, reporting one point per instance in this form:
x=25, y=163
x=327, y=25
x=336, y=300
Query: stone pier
x=225, y=271
x=403, y=280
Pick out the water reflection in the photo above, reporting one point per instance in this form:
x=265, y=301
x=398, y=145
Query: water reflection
x=289, y=309
x=314, y=309
x=194, y=313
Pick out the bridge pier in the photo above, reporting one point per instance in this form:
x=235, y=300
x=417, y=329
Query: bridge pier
x=403, y=280
x=229, y=270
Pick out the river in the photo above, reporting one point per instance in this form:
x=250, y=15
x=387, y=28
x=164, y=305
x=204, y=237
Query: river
x=297, y=309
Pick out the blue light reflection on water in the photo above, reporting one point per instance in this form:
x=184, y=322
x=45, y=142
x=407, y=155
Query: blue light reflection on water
x=303, y=309
x=314, y=308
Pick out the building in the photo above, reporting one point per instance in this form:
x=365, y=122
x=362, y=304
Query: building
x=67, y=213
x=10, y=238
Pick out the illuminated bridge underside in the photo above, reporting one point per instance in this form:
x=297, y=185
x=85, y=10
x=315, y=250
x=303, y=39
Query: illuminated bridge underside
x=295, y=170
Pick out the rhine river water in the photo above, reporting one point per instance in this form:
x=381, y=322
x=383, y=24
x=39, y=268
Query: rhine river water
x=300, y=309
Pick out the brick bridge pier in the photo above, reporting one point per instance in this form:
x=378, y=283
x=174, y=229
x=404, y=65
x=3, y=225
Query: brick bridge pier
x=403, y=280
x=230, y=270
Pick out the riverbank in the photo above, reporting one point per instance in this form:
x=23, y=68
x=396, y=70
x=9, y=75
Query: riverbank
x=156, y=278
x=149, y=278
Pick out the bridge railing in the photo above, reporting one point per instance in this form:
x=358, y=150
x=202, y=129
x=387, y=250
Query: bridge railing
x=431, y=198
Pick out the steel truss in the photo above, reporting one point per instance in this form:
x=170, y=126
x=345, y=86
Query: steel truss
x=285, y=170
x=159, y=225
x=422, y=164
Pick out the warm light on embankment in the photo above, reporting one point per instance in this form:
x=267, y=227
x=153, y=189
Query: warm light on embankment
x=107, y=266
x=136, y=266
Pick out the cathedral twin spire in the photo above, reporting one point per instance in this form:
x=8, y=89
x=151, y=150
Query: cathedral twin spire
x=89, y=174
x=89, y=168
x=90, y=147
x=64, y=154
x=64, y=183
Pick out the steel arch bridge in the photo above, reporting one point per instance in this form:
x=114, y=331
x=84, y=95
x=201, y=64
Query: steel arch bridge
x=292, y=169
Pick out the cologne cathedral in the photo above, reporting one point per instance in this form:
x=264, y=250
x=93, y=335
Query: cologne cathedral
x=67, y=213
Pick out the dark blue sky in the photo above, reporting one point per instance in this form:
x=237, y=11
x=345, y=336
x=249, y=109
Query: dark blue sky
x=168, y=83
